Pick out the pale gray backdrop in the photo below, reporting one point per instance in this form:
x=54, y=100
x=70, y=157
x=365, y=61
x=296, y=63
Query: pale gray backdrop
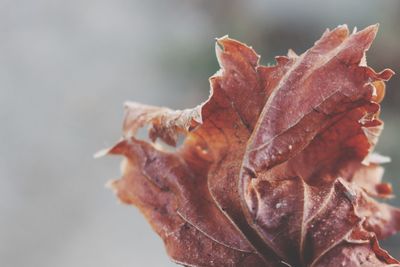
x=66, y=67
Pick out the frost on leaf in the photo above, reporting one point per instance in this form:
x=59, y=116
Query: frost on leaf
x=277, y=166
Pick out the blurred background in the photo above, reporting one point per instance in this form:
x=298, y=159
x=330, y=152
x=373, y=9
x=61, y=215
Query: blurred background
x=66, y=67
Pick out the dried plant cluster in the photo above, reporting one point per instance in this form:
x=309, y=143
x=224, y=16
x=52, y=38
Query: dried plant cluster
x=277, y=166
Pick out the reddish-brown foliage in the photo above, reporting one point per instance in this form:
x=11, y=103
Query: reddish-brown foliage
x=276, y=168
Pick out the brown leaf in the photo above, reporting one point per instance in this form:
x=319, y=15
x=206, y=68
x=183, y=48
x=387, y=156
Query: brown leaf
x=276, y=168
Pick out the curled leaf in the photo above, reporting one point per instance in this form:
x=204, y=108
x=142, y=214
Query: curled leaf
x=277, y=166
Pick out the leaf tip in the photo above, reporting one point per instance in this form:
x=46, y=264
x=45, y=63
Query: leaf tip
x=367, y=35
x=101, y=153
x=291, y=53
x=110, y=185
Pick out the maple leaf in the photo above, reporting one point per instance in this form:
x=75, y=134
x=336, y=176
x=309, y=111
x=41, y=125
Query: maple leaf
x=277, y=166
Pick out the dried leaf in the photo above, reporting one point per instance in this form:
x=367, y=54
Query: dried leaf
x=276, y=168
